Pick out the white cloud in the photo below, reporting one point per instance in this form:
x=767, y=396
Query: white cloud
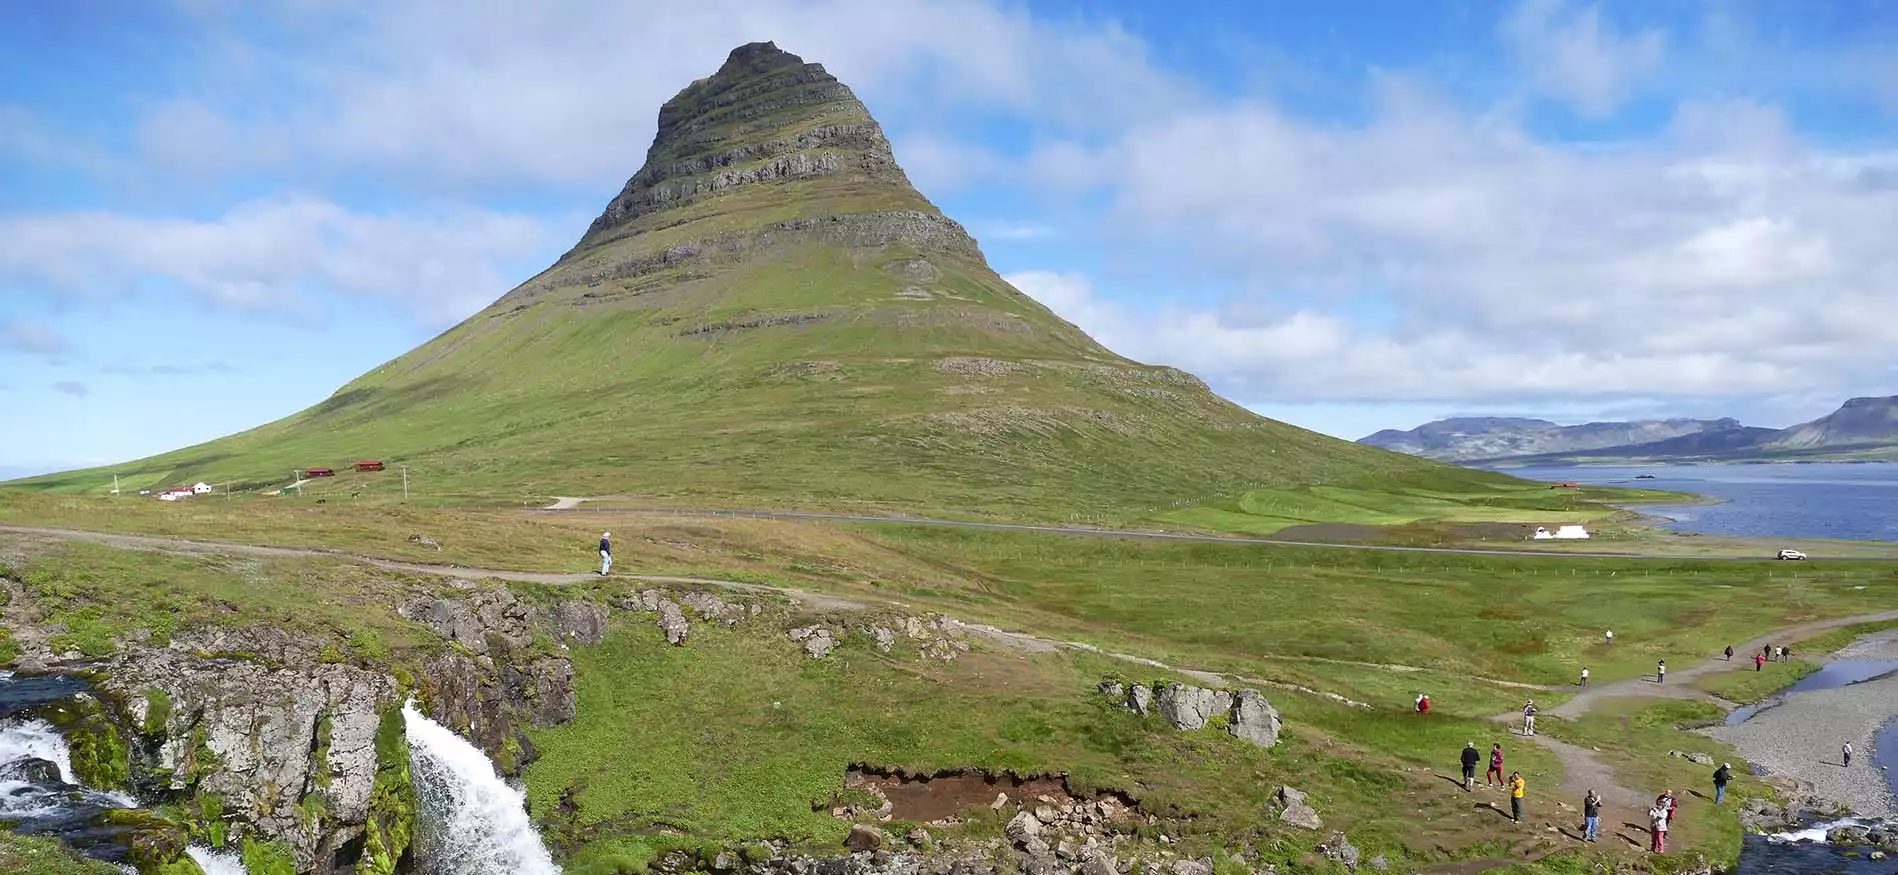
x=1572, y=54
x=31, y=338
x=268, y=255
x=566, y=92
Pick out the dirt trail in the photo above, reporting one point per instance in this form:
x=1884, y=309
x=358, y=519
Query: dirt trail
x=1680, y=681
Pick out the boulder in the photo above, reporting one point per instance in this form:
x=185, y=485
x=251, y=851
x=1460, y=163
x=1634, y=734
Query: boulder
x=1022, y=827
x=1298, y=812
x=580, y=622
x=862, y=838
x=1099, y=863
x=1254, y=719
x=1139, y=699
x=1692, y=757
x=711, y=608
x=1188, y=708
x=32, y=770
x=1850, y=836
x=1114, y=689
x=1192, y=867
x=1339, y=849
x=672, y=622
x=885, y=639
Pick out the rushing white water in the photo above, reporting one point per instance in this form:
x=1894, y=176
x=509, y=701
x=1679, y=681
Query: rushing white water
x=216, y=862
x=36, y=739
x=472, y=822
x=1815, y=833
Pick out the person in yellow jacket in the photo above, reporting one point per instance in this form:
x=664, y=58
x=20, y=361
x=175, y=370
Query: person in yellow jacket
x=1515, y=796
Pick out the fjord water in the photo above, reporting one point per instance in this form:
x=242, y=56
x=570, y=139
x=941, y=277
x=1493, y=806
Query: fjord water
x=1857, y=502
x=473, y=823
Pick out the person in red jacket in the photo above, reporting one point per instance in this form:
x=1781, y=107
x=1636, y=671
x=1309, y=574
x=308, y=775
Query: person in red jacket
x=1423, y=704
x=1494, y=777
x=1759, y=662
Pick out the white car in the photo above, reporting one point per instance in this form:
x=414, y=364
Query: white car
x=1790, y=554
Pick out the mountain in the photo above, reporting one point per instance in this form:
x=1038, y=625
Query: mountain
x=1712, y=445
x=768, y=313
x=1861, y=422
x=1479, y=439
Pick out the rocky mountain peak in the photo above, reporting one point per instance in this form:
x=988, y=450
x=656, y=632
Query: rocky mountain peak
x=765, y=116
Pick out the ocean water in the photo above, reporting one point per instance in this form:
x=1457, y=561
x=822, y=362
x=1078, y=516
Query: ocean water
x=1857, y=502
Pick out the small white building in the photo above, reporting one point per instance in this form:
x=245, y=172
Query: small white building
x=1564, y=533
x=201, y=489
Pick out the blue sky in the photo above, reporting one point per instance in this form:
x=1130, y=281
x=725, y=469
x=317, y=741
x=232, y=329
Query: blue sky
x=213, y=213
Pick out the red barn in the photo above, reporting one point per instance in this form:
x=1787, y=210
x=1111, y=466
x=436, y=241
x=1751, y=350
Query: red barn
x=368, y=466
x=319, y=472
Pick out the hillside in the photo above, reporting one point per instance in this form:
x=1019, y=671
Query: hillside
x=1478, y=439
x=1860, y=422
x=770, y=314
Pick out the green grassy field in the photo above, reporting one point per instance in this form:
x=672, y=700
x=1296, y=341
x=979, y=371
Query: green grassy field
x=27, y=855
x=1267, y=511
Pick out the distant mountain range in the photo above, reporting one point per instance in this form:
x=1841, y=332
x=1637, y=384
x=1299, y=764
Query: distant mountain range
x=1864, y=428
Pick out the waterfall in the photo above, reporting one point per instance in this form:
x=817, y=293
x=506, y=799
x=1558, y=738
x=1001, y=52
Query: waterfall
x=216, y=862
x=472, y=822
x=36, y=739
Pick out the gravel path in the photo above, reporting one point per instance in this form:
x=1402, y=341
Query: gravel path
x=1801, y=739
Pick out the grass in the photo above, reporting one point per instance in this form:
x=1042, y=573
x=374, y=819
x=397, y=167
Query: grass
x=32, y=855
x=739, y=736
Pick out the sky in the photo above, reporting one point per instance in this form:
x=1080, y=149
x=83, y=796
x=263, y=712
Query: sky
x=213, y=213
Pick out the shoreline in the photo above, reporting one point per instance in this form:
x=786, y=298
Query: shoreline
x=1800, y=738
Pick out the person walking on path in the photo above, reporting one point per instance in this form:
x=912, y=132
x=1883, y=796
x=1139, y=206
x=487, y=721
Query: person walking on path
x=1657, y=828
x=1845, y=755
x=1423, y=704
x=1591, y=816
x=1669, y=804
x=1471, y=756
x=1610, y=635
x=1494, y=777
x=1721, y=777
x=1729, y=653
x=1584, y=677
x=1660, y=672
x=1785, y=653
x=1516, y=786
x=1529, y=717
x=1759, y=662
x=606, y=553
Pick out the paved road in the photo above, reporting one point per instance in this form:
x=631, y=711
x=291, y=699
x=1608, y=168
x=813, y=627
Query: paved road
x=575, y=505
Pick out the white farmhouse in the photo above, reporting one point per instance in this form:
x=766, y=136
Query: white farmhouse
x=201, y=489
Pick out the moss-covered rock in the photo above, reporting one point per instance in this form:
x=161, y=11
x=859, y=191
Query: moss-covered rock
x=100, y=757
x=155, y=844
x=390, y=829
x=268, y=858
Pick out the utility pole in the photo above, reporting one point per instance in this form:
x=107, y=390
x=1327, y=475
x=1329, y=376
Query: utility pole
x=115, y=484
x=405, y=483
x=296, y=479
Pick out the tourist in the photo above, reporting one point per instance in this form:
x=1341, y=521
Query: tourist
x=1657, y=827
x=1610, y=634
x=1721, y=777
x=1470, y=758
x=1759, y=662
x=1729, y=653
x=1591, y=816
x=1529, y=717
x=1584, y=677
x=1423, y=704
x=1785, y=654
x=606, y=553
x=1669, y=804
x=1660, y=672
x=1845, y=754
x=1494, y=777
x=1782, y=654
x=1516, y=786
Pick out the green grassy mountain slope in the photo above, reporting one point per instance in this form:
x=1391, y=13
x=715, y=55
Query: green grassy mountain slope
x=770, y=314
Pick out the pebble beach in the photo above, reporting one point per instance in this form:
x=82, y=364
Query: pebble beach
x=1801, y=737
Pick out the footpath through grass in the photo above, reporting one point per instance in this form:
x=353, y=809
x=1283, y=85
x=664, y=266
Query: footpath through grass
x=1749, y=684
x=1266, y=511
